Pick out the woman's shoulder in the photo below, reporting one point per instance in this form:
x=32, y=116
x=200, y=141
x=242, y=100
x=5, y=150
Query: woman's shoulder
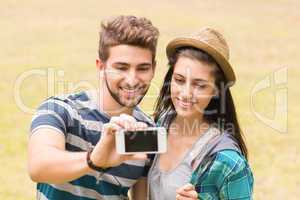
x=229, y=162
x=230, y=159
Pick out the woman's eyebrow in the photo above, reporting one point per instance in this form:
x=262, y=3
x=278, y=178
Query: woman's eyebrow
x=194, y=80
x=200, y=80
x=181, y=76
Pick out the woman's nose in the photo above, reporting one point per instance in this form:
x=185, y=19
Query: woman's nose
x=187, y=91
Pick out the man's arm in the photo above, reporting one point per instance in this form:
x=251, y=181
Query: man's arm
x=48, y=161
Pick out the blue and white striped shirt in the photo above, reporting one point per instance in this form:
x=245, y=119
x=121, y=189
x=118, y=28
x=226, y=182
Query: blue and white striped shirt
x=79, y=119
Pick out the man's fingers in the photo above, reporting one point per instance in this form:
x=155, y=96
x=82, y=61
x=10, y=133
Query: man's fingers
x=128, y=122
x=141, y=125
x=118, y=121
x=127, y=117
x=110, y=128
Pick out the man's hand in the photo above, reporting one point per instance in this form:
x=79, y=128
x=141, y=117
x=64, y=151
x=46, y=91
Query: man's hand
x=104, y=154
x=187, y=192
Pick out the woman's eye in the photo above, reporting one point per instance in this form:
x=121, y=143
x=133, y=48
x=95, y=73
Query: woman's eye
x=180, y=81
x=201, y=86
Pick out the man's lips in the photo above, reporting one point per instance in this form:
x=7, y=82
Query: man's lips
x=130, y=93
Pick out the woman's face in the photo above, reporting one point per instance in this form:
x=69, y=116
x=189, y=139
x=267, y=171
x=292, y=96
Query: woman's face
x=192, y=87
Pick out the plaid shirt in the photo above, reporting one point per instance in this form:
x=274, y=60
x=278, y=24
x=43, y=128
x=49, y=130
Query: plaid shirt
x=226, y=177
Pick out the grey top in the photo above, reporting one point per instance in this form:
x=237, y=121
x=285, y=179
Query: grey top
x=162, y=185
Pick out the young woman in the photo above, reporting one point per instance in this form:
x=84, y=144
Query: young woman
x=205, y=143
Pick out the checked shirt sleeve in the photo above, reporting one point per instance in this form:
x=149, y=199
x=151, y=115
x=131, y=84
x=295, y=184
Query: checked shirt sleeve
x=238, y=183
x=228, y=178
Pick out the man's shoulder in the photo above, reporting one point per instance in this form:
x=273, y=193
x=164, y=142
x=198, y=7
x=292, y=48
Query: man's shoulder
x=81, y=96
x=76, y=100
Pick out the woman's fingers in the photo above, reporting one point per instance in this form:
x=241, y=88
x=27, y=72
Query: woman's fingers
x=180, y=197
x=187, y=191
x=188, y=187
x=191, y=194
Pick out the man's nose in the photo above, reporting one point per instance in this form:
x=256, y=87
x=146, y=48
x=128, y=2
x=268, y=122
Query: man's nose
x=131, y=78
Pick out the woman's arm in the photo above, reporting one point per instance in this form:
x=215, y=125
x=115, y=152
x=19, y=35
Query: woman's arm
x=229, y=177
x=139, y=190
x=238, y=183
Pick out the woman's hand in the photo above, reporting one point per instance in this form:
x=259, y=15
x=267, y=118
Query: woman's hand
x=187, y=192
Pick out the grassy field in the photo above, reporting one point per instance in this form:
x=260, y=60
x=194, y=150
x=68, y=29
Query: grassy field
x=263, y=36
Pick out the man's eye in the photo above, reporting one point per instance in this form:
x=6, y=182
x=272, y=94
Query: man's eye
x=121, y=68
x=144, y=68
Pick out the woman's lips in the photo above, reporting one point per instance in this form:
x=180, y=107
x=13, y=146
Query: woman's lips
x=184, y=104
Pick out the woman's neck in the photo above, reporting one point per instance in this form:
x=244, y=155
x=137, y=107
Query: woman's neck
x=193, y=126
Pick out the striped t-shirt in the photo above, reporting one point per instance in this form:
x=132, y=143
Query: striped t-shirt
x=79, y=119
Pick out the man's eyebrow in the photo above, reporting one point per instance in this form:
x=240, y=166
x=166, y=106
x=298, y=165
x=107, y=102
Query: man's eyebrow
x=144, y=64
x=121, y=63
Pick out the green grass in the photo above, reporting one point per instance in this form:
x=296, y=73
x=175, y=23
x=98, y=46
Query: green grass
x=263, y=36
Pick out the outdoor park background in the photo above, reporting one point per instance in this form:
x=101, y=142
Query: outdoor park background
x=263, y=37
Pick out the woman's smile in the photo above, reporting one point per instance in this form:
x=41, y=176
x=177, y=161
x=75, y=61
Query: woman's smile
x=185, y=104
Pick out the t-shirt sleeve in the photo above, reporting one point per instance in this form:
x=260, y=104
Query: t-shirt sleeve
x=52, y=113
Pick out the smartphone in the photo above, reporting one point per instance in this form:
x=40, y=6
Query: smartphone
x=150, y=140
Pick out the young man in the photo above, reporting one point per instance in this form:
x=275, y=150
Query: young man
x=72, y=151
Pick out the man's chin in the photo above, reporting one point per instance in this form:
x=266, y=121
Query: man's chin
x=130, y=103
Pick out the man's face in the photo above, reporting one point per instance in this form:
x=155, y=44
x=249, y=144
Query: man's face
x=128, y=72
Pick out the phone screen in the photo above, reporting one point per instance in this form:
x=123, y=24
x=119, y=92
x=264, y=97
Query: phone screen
x=141, y=141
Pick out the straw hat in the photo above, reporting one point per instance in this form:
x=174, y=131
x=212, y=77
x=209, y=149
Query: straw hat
x=210, y=41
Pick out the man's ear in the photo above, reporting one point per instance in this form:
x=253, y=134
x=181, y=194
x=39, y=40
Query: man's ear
x=99, y=64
